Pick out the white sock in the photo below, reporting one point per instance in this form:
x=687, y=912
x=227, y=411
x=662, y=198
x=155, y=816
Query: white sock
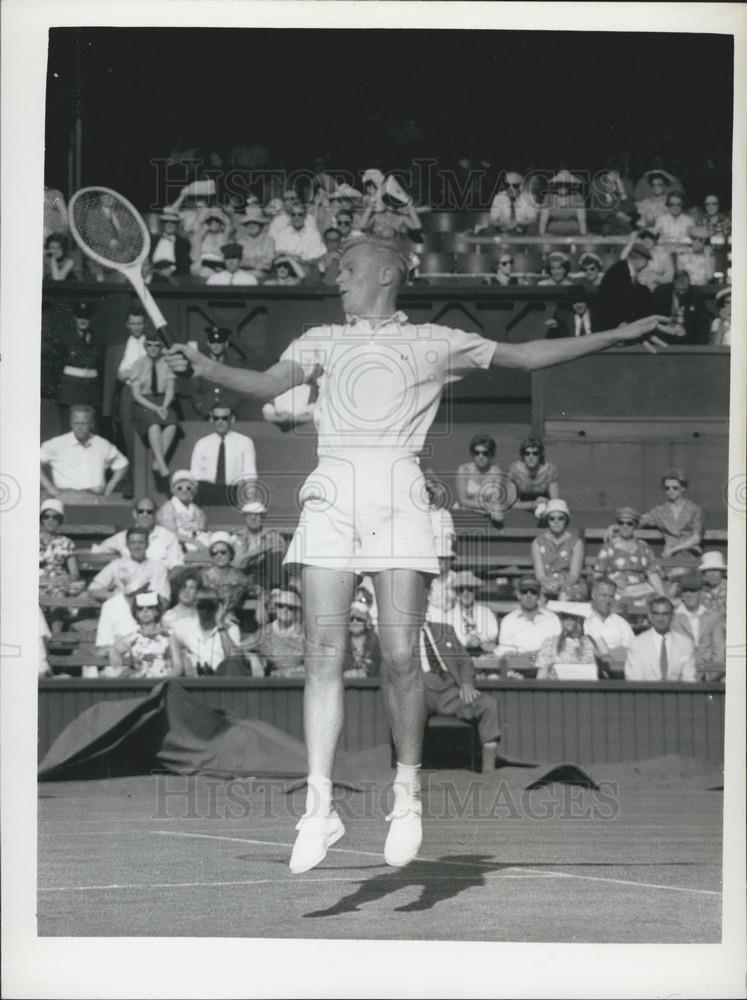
x=318, y=796
x=407, y=780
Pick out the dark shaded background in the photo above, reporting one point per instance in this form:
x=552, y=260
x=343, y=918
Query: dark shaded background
x=513, y=98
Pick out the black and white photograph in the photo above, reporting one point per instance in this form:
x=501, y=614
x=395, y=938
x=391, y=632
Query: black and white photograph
x=378, y=360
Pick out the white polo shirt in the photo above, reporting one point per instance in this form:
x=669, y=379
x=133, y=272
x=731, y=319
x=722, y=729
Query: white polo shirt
x=78, y=466
x=613, y=630
x=521, y=634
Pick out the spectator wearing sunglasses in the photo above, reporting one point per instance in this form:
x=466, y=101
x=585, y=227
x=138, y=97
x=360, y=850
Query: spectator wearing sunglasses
x=281, y=643
x=224, y=458
x=717, y=223
x=629, y=563
x=558, y=554
x=504, y=275
x=300, y=238
x=591, y=271
x=652, y=199
x=480, y=483
x=345, y=224
x=535, y=479
x=228, y=582
x=513, y=209
x=678, y=519
x=363, y=656
x=525, y=629
x=182, y=515
x=473, y=621
x=163, y=545
x=673, y=225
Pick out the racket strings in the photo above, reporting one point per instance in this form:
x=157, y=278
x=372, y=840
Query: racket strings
x=108, y=227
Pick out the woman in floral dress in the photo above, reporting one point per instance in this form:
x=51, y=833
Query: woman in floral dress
x=58, y=564
x=558, y=554
x=146, y=652
x=629, y=562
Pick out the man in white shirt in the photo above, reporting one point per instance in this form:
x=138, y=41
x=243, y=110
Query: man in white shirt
x=526, y=628
x=513, y=210
x=474, y=623
x=673, y=226
x=78, y=461
x=223, y=458
x=232, y=275
x=163, y=545
x=610, y=632
x=203, y=645
x=659, y=654
x=300, y=239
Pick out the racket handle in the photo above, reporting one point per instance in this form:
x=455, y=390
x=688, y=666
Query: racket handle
x=163, y=333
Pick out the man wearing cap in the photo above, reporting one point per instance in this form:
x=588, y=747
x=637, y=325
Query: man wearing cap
x=300, y=238
x=609, y=631
x=281, y=643
x=206, y=645
x=621, y=297
x=474, y=624
x=163, y=545
x=575, y=317
x=524, y=629
x=169, y=252
x=223, y=458
x=79, y=460
x=204, y=394
x=232, y=274
x=660, y=654
x=713, y=570
x=698, y=259
x=513, y=210
x=686, y=307
x=259, y=550
x=703, y=626
x=449, y=680
x=79, y=356
x=363, y=510
x=257, y=246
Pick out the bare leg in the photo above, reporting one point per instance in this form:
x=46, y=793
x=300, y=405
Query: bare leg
x=156, y=446
x=167, y=436
x=401, y=599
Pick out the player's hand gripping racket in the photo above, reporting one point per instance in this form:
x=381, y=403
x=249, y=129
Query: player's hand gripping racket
x=110, y=230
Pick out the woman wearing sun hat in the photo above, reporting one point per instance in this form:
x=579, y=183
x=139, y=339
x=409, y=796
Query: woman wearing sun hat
x=221, y=576
x=58, y=564
x=629, y=562
x=564, y=212
x=713, y=570
x=571, y=646
x=182, y=515
x=557, y=553
x=146, y=652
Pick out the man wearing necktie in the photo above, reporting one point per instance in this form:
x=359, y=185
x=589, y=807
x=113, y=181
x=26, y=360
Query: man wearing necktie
x=659, y=654
x=449, y=686
x=224, y=458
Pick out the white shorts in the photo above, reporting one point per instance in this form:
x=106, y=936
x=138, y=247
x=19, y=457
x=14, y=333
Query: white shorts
x=364, y=511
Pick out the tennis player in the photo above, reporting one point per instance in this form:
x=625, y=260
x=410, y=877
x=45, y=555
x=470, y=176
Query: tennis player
x=365, y=507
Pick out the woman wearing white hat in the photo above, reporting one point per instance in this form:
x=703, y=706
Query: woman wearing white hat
x=571, y=646
x=221, y=576
x=564, y=211
x=557, y=553
x=182, y=515
x=58, y=564
x=713, y=570
x=629, y=562
x=146, y=652
x=259, y=550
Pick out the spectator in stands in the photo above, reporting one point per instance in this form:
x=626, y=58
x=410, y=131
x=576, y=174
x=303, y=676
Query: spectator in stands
x=227, y=581
x=79, y=359
x=563, y=212
x=181, y=514
x=184, y=588
x=592, y=271
x=611, y=209
x=480, y=483
x=574, y=317
x=120, y=357
x=611, y=634
x=621, y=298
x=503, y=266
x=535, y=479
x=122, y=578
x=513, y=210
x=678, y=519
x=713, y=569
x=170, y=251
x=558, y=266
x=524, y=629
x=232, y=273
x=698, y=260
x=223, y=458
x=328, y=266
x=721, y=325
x=58, y=565
x=717, y=223
x=673, y=225
x=286, y=271
x=280, y=212
x=210, y=234
x=280, y=643
x=363, y=656
x=55, y=212
x=653, y=202
x=152, y=384
x=571, y=646
x=259, y=550
x=257, y=246
x=628, y=562
x=473, y=621
x=59, y=263
x=449, y=678
x=205, y=394
x=163, y=545
x=659, y=654
x=80, y=460
x=558, y=553
x=391, y=213
x=146, y=652
x=703, y=626
x=660, y=269
x=206, y=645
x=300, y=238
x=344, y=222
x=685, y=305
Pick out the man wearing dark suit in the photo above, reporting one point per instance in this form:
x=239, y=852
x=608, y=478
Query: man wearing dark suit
x=575, y=316
x=620, y=298
x=449, y=677
x=169, y=252
x=685, y=305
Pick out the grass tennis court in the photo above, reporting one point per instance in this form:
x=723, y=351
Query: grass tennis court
x=176, y=856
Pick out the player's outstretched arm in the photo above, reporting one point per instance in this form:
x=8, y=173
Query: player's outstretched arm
x=259, y=385
x=535, y=354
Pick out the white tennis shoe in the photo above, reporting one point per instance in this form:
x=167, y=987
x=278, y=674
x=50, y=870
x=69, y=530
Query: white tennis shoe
x=316, y=834
x=405, y=833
